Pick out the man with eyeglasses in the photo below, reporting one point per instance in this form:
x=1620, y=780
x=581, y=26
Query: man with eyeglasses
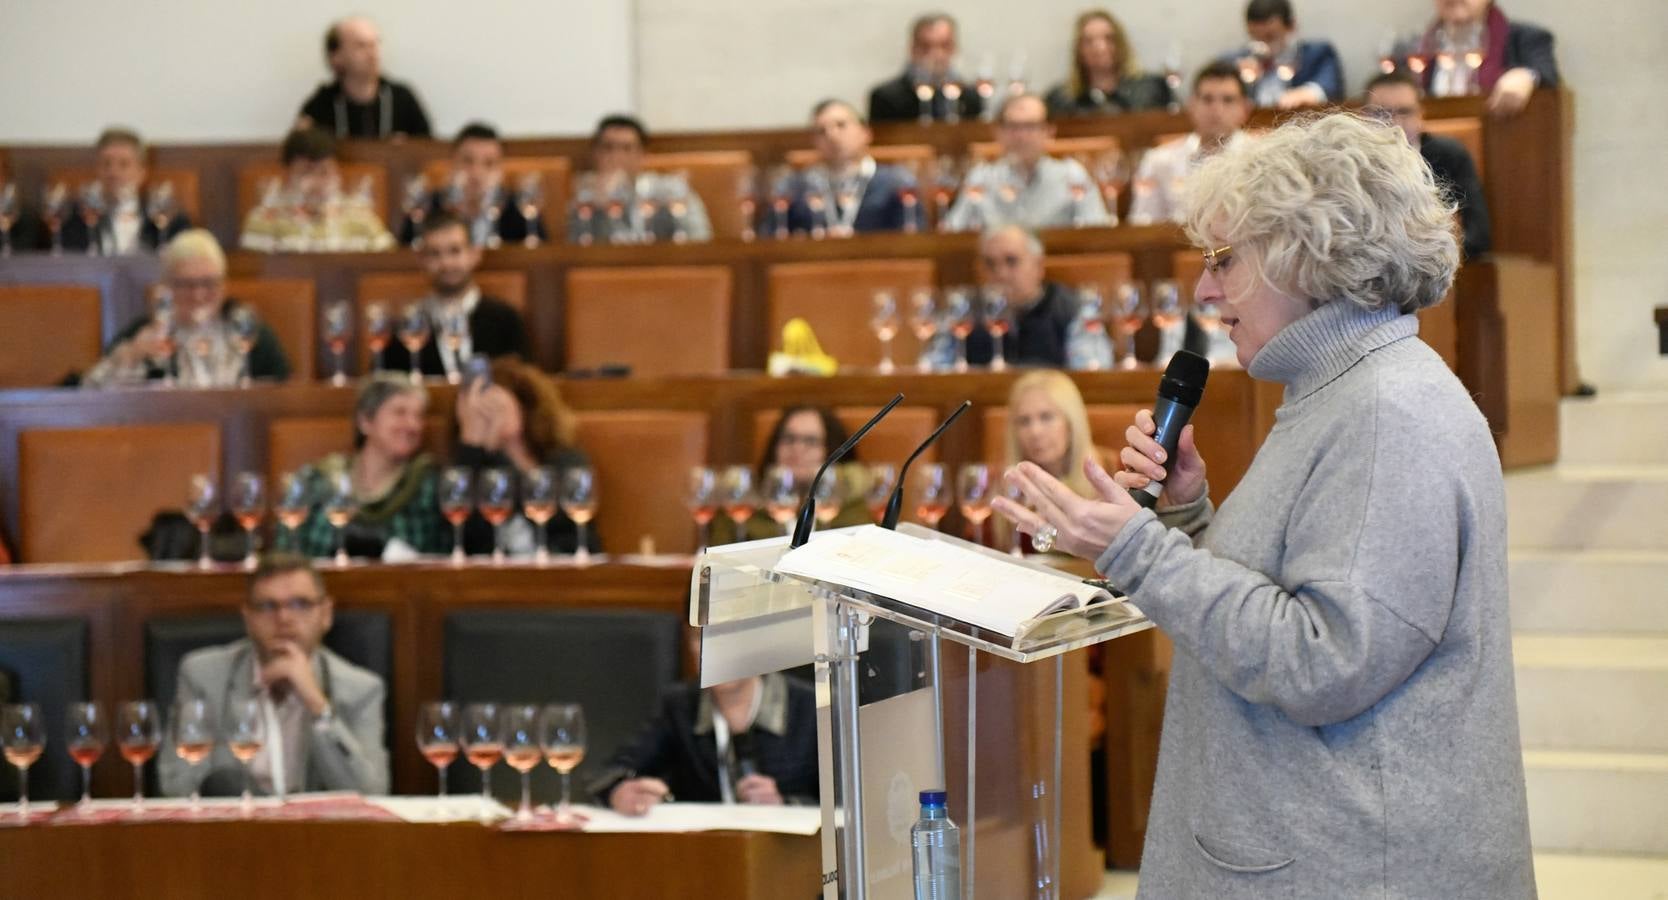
x=1396, y=96
x=1042, y=311
x=323, y=715
x=1027, y=186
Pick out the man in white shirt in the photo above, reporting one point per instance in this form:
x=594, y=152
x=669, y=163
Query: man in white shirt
x=1219, y=108
x=112, y=217
x=322, y=715
x=1026, y=186
x=628, y=204
x=463, y=323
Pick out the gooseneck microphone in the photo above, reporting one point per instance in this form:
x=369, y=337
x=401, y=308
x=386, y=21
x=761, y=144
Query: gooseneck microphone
x=808, y=509
x=1178, y=396
x=890, y=520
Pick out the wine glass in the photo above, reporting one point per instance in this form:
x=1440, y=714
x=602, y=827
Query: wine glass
x=947, y=176
x=413, y=330
x=934, y=500
x=958, y=314
x=780, y=492
x=291, y=502
x=202, y=506
x=496, y=492
x=249, y=507
x=86, y=732
x=562, y=735
x=246, y=330
x=923, y=97
x=245, y=736
x=379, y=328
x=884, y=323
x=138, y=732
x=522, y=750
x=454, y=328
x=538, y=504
x=828, y=497
x=483, y=744
x=579, y=502
x=341, y=504
x=882, y=478
x=973, y=489
x=702, y=500
x=735, y=492
x=529, y=198
x=338, y=326
x=1166, y=313
x=997, y=323
x=162, y=315
x=923, y=321
x=193, y=737
x=1129, y=308
x=23, y=735
x=437, y=736
x=54, y=207
x=457, y=500
x=8, y=215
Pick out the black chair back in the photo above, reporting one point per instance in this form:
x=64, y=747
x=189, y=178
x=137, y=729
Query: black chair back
x=47, y=662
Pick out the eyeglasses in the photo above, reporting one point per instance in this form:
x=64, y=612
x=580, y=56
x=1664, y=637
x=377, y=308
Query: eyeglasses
x=181, y=285
x=1218, y=259
x=294, y=605
x=789, y=439
x=1022, y=126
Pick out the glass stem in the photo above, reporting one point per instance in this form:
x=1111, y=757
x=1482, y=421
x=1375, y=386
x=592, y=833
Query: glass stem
x=442, y=771
x=705, y=530
x=340, y=377
x=457, y=548
x=526, y=795
x=138, y=786
x=486, y=785
x=248, y=790
x=566, y=778
x=539, y=547
x=249, y=558
x=961, y=354
x=997, y=359
x=498, y=543
x=341, y=549
x=86, y=784
x=582, y=551
x=203, y=560
x=23, y=791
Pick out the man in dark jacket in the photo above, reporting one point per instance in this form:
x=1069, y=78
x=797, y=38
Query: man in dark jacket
x=1487, y=54
x=1288, y=72
x=932, y=45
x=491, y=326
x=1041, y=311
x=1397, y=95
x=360, y=103
x=847, y=192
x=113, y=217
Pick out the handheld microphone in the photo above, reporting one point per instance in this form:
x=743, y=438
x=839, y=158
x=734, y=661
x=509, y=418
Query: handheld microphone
x=808, y=509
x=1178, y=395
x=890, y=520
x=746, y=757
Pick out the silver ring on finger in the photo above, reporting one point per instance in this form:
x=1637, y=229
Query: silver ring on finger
x=1044, y=538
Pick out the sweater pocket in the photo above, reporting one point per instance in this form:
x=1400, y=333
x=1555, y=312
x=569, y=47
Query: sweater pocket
x=1241, y=858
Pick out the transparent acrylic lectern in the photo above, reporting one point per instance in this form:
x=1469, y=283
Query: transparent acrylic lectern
x=881, y=700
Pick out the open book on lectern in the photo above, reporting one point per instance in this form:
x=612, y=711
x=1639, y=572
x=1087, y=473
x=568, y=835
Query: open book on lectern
x=987, y=590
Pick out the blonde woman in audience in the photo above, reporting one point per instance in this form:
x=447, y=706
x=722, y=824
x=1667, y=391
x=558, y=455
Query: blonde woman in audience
x=196, y=332
x=309, y=212
x=388, y=480
x=799, y=442
x=515, y=418
x=1105, y=79
x=1048, y=425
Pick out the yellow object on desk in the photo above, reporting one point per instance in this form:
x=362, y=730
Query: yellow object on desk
x=801, y=354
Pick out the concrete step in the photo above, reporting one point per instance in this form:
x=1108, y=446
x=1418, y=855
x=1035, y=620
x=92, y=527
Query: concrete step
x=1588, y=508
x=1625, y=428
x=1592, y=693
x=1605, y=591
x=1597, y=802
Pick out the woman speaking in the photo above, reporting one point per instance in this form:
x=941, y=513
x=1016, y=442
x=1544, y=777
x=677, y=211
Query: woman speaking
x=1341, y=720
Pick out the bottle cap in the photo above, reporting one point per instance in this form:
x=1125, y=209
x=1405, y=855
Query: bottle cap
x=934, y=798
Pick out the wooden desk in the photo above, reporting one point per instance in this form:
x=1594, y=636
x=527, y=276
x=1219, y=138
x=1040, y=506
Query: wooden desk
x=285, y=860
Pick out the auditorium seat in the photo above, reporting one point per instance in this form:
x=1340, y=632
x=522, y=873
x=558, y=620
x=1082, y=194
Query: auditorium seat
x=657, y=320
x=47, y=662
x=919, y=156
x=1083, y=147
x=127, y=473
x=1185, y=267
x=1469, y=132
x=554, y=172
x=252, y=177
x=837, y=298
x=1103, y=270
x=716, y=175
x=289, y=306
x=187, y=194
x=614, y=663
x=399, y=288
x=292, y=443
x=642, y=460
x=891, y=441
x=1107, y=422
x=47, y=331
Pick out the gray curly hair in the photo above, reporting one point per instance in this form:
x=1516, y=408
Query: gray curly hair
x=1330, y=207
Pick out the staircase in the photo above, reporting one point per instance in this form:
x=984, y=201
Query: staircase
x=1589, y=588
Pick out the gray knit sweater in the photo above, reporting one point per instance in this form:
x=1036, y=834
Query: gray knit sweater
x=1341, y=720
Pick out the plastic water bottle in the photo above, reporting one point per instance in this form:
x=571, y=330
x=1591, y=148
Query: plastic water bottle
x=937, y=843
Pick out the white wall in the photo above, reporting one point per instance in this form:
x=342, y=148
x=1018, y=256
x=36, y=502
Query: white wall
x=207, y=70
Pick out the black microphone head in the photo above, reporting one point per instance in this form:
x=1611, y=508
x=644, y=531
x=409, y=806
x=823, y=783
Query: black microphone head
x=1184, y=378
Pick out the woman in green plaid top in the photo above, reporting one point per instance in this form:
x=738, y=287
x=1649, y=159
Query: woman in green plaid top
x=393, y=480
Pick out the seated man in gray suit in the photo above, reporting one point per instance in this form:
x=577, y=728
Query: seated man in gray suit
x=323, y=714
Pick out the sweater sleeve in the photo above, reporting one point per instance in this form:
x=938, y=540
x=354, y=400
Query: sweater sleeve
x=1363, y=596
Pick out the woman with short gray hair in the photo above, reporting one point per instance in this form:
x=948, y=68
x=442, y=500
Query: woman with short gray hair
x=1341, y=719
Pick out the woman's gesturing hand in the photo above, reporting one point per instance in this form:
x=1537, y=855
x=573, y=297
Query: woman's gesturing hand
x=1085, y=527
x=1143, y=461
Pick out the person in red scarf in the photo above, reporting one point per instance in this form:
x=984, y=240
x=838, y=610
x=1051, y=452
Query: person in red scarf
x=1472, y=48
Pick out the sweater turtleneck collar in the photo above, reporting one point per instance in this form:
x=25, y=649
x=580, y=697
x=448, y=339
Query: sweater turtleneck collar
x=1309, y=353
